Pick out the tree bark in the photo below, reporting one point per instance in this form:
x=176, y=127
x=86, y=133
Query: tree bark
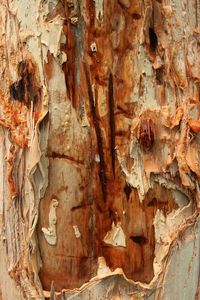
x=100, y=149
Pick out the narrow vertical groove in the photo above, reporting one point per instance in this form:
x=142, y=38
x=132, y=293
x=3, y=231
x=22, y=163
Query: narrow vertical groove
x=112, y=121
x=52, y=292
x=197, y=13
x=102, y=171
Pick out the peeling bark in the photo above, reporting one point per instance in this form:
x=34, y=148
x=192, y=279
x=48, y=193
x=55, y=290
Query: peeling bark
x=100, y=149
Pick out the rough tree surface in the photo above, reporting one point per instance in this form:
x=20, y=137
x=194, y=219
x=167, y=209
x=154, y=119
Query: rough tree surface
x=99, y=149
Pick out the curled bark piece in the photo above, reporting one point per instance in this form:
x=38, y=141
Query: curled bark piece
x=115, y=236
x=50, y=232
x=103, y=269
x=76, y=232
x=194, y=125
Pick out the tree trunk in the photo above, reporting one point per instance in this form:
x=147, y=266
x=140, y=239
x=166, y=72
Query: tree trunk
x=100, y=149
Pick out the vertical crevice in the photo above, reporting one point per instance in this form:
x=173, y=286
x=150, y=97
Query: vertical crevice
x=112, y=121
x=69, y=67
x=127, y=191
x=153, y=39
x=102, y=171
x=160, y=74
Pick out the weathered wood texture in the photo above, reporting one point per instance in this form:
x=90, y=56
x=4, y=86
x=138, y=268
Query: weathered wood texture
x=99, y=149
